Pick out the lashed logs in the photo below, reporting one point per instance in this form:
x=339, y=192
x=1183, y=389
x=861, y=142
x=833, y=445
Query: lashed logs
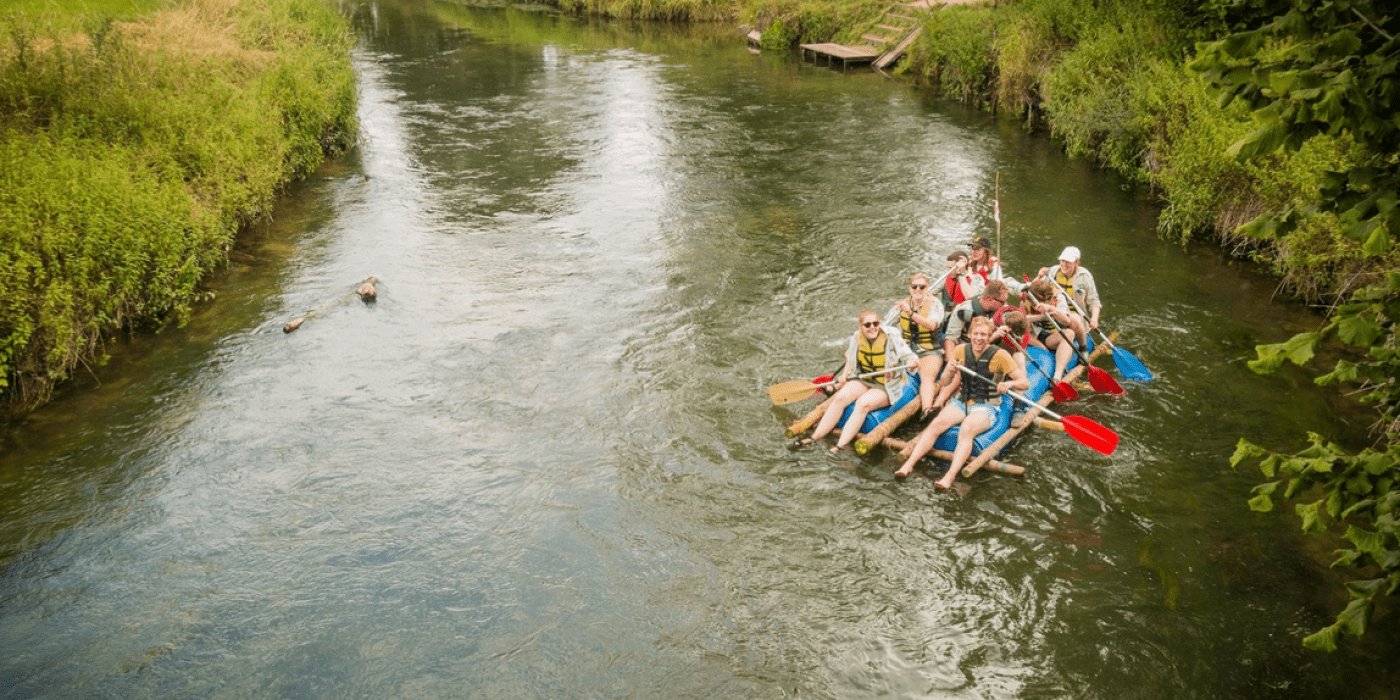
x=803, y=424
x=887, y=426
x=992, y=465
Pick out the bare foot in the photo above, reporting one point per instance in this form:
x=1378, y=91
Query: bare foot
x=904, y=471
x=945, y=485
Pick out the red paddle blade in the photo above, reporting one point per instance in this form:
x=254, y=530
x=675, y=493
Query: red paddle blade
x=1091, y=434
x=1103, y=382
x=1063, y=392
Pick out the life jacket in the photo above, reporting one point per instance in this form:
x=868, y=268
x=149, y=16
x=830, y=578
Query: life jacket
x=985, y=271
x=870, y=357
x=916, y=335
x=952, y=292
x=966, y=313
x=976, y=390
x=1066, y=283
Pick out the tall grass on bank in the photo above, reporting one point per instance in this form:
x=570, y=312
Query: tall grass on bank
x=131, y=153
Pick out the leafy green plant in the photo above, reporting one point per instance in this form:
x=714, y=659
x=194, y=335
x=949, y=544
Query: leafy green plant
x=130, y=155
x=1313, y=70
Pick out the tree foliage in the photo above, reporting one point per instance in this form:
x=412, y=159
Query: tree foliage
x=1329, y=67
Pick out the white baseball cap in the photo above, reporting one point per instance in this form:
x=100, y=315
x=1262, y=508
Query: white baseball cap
x=1071, y=254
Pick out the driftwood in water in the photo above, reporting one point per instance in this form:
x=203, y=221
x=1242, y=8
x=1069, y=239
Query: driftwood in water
x=886, y=426
x=366, y=291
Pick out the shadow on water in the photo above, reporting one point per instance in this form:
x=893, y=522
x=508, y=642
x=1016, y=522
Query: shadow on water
x=544, y=464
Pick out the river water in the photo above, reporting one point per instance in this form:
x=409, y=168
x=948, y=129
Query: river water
x=544, y=464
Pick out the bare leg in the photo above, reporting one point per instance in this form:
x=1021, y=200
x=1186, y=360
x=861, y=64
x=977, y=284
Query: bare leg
x=869, y=401
x=974, y=425
x=839, y=402
x=947, y=418
x=928, y=380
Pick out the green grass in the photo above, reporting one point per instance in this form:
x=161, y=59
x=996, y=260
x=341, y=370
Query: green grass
x=132, y=153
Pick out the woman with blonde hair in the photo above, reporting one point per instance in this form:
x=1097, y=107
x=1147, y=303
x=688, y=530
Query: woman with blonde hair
x=873, y=349
x=921, y=327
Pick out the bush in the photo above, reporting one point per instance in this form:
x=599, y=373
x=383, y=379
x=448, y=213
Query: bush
x=131, y=154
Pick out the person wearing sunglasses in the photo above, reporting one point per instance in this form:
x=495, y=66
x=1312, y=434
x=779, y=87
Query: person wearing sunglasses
x=921, y=324
x=873, y=348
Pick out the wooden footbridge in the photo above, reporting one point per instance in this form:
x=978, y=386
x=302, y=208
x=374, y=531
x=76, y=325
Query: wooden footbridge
x=891, y=36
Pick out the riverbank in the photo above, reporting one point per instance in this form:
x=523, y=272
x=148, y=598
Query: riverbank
x=1110, y=82
x=131, y=154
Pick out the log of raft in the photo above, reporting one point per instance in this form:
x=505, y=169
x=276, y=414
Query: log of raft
x=885, y=428
x=984, y=460
x=805, y=423
x=992, y=464
x=366, y=291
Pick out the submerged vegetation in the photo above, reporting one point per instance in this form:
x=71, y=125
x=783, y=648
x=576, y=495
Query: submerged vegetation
x=131, y=152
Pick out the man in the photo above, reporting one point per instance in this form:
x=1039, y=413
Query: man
x=1077, y=282
x=979, y=399
x=993, y=297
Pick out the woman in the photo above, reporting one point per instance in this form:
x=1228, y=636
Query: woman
x=960, y=284
x=979, y=399
x=1048, y=304
x=873, y=348
x=982, y=262
x=920, y=324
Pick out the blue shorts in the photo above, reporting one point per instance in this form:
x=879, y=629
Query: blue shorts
x=987, y=408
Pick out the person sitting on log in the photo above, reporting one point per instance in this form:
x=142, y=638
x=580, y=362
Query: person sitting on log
x=1075, y=279
x=993, y=297
x=1013, y=333
x=983, y=263
x=1050, y=302
x=960, y=284
x=873, y=348
x=975, y=409
x=921, y=327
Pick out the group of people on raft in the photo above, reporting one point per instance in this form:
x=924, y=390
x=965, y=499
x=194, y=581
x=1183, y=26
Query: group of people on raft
x=981, y=331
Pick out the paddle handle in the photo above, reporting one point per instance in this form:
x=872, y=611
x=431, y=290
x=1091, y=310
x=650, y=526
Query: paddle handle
x=1068, y=339
x=1080, y=309
x=867, y=375
x=968, y=371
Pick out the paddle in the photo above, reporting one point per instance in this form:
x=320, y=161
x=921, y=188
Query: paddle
x=893, y=314
x=799, y=389
x=1128, y=365
x=1099, y=379
x=1062, y=391
x=1087, y=432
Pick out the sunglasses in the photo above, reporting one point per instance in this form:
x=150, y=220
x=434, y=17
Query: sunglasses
x=918, y=286
x=870, y=324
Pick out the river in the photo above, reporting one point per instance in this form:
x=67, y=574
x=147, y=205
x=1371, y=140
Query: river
x=544, y=464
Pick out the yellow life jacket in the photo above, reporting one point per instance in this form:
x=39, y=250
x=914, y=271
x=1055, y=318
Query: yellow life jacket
x=870, y=357
x=915, y=334
x=1066, y=283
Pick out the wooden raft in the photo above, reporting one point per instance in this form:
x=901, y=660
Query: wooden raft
x=864, y=442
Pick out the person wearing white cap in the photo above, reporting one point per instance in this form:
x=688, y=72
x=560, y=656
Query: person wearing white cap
x=1076, y=280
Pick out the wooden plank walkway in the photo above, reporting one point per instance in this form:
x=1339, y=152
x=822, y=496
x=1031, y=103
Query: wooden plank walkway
x=847, y=55
x=892, y=36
